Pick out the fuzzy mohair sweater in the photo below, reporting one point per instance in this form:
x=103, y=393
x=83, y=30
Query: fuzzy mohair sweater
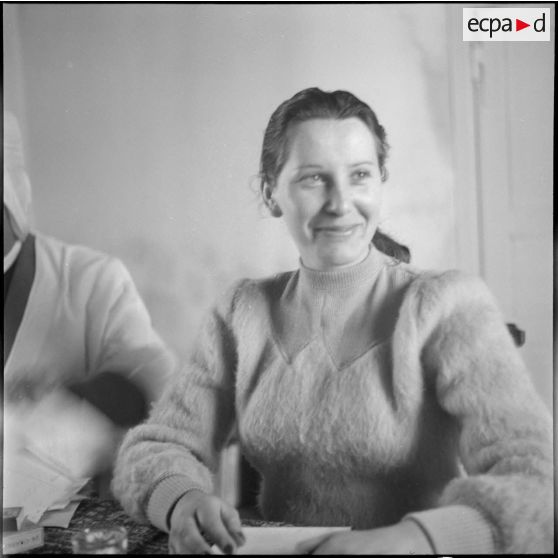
x=363, y=396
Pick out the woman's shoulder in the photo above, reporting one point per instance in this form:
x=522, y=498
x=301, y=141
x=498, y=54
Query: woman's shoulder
x=448, y=289
x=264, y=284
x=449, y=282
x=247, y=292
x=428, y=277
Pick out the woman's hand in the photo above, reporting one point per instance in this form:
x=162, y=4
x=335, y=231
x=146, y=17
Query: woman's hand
x=199, y=521
x=403, y=538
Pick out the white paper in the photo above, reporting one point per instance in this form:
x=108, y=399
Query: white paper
x=59, y=517
x=36, y=486
x=278, y=540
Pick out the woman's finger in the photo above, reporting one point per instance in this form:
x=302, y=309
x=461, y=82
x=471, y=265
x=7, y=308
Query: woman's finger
x=214, y=530
x=231, y=520
x=187, y=539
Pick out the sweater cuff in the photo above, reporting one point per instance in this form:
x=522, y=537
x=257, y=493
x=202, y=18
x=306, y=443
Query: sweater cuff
x=455, y=530
x=164, y=497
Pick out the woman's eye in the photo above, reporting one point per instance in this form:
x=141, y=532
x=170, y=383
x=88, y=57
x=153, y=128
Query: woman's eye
x=312, y=180
x=361, y=175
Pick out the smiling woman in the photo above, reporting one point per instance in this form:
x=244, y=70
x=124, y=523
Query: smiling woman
x=366, y=392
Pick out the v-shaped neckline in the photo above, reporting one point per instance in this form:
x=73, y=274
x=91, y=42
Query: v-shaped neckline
x=318, y=342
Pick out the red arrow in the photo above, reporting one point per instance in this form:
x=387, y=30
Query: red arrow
x=519, y=25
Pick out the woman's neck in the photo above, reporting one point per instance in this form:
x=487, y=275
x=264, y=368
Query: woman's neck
x=342, y=278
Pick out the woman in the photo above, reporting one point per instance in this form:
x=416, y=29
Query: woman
x=366, y=392
x=80, y=353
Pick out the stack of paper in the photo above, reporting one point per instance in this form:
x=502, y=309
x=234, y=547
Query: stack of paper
x=36, y=486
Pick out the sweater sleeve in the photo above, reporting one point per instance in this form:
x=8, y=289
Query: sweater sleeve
x=504, y=503
x=177, y=448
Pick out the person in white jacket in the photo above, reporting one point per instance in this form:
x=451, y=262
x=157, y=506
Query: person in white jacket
x=82, y=362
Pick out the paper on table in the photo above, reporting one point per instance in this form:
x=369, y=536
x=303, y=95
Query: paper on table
x=36, y=486
x=59, y=517
x=280, y=540
x=62, y=505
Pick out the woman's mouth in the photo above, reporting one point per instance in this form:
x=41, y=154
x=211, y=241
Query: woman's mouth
x=336, y=232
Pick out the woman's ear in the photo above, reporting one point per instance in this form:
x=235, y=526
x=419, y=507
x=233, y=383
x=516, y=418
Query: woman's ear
x=272, y=205
x=384, y=175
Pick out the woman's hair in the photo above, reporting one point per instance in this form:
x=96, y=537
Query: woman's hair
x=314, y=103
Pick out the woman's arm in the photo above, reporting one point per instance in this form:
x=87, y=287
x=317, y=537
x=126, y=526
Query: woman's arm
x=505, y=430
x=177, y=449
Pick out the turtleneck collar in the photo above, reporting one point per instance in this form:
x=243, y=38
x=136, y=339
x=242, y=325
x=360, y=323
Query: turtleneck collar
x=351, y=277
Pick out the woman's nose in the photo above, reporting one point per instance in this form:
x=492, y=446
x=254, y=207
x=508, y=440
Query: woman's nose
x=338, y=198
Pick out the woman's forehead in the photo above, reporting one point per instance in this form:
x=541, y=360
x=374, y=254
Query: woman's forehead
x=327, y=137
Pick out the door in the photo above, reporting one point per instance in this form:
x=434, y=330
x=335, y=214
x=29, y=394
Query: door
x=504, y=105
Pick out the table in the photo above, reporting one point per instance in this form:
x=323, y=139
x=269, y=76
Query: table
x=142, y=539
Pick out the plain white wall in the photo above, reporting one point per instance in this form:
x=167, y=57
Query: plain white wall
x=143, y=125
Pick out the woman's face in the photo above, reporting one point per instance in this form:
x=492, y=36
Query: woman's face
x=330, y=191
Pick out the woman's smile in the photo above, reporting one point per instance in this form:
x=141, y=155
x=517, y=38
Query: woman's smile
x=336, y=232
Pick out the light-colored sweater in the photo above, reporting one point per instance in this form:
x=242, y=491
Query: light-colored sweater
x=363, y=396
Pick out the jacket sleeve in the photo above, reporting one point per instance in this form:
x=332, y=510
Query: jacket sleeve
x=120, y=338
x=505, y=439
x=178, y=447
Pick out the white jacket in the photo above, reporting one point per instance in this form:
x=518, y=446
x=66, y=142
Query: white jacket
x=83, y=316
